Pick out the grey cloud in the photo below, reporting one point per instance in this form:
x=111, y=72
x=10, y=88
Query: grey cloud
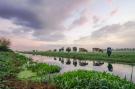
x=116, y=35
x=35, y=2
x=42, y=16
x=56, y=13
x=3, y=33
x=19, y=15
x=114, y=29
x=80, y=21
x=95, y=19
x=51, y=37
x=105, y=31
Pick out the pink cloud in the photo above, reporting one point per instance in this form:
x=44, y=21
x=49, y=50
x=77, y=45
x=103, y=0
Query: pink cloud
x=114, y=12
x=95, y=19
x=110, y=1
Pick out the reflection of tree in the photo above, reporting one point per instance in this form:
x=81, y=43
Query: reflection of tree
x=97, y=63
x=83, y=63
x=75, y=62
x=55, y=58
x=68, y=62
x=59, y=59
x=110, y=67
x=62, y=61
x=132, y=73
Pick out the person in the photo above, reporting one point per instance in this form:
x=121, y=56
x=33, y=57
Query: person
x=109, y=51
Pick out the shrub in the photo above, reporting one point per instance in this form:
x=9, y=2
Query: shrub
x=4, y=44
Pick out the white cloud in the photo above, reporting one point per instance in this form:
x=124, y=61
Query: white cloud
x=115, y=35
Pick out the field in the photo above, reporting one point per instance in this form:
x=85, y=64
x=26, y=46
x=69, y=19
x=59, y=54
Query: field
x=90, y=80
x=19, y=72
x=126, y=57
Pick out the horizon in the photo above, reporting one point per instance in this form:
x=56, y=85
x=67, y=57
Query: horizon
x=46, y=24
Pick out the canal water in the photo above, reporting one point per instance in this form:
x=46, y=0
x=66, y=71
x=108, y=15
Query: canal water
x=66, y=64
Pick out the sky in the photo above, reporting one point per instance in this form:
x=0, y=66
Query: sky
x=50, y=24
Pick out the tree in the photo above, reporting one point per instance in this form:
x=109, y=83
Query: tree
x=68, y=49
x=83, y=50
x=62, y=49
x=59, y=50
x=55, y=50
x=4, y=44
x=75, y=49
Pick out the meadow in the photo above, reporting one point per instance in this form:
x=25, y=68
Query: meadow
x=126, y=57
x=91, y=80
x=19, y=72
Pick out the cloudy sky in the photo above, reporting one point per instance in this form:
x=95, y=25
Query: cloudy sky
x=49, y=24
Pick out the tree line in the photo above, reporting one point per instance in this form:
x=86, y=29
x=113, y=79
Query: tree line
x=69, y=49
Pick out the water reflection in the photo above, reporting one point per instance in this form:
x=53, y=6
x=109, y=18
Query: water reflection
x=55, y=58
x=75, y=63
x=97, y=63
x=62, y=61
x=122, y=70
x=131, y=79
x=68, y=62
x=110, y=67
x=83, y=63
x=59, y=59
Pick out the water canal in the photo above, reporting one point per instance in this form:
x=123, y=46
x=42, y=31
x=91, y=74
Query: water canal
x=66, y=64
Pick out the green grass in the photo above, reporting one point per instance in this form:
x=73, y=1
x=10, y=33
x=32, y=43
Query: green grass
x=127, y=57
x=17, y=66
x=26, y=74
x=42, y=69
x=9, y=66
x=21, y=67
x=37, y=71
x=91, y=80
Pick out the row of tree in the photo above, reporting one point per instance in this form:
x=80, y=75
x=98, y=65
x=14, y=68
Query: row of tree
x=125, y=49
x=122, y=49
x=69, y=49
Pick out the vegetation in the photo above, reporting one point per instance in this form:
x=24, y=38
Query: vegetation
x=4, y=44
x=32, y=70
x=91, y=80
x=14, y=68
x=26, y=74
x=61, y=49
x=127, y=57
x=68, y=49
x=9, y=67
x=75, y=49
x=37, y=71
x=19, y=72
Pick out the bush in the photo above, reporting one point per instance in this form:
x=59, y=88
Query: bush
x=91, y=80
x=4, y=44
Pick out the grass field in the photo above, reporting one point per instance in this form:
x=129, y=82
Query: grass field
x=126, y=57
x=19, y=72
x=91, y=80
